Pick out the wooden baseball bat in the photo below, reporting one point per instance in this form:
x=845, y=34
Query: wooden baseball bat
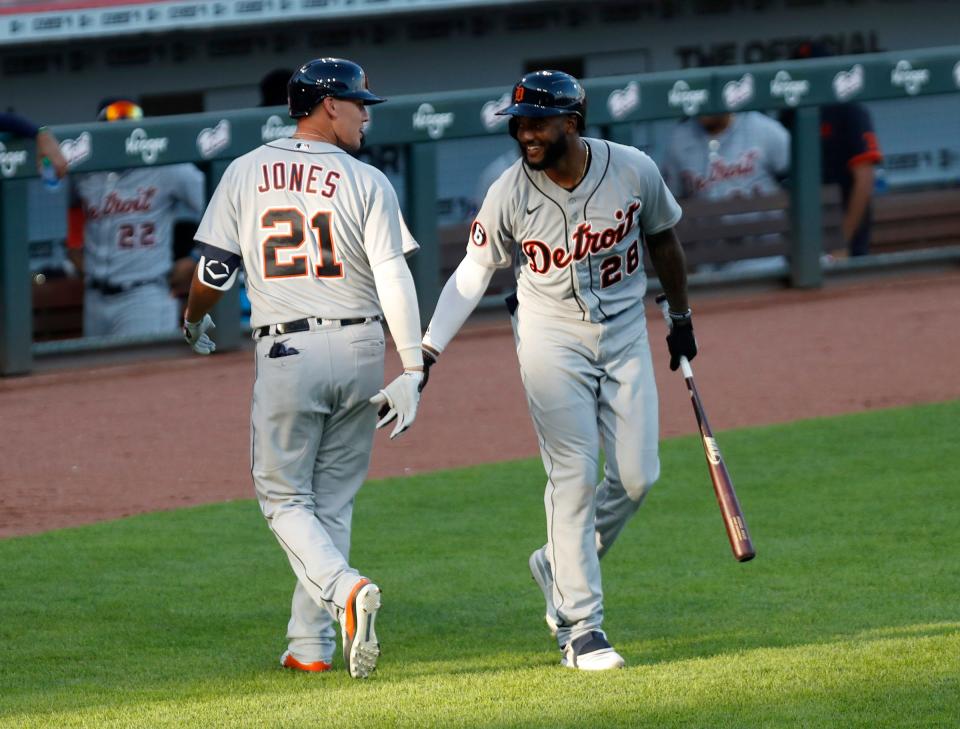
x=733, y=519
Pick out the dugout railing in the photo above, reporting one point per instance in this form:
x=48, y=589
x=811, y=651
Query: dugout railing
x=417, y=123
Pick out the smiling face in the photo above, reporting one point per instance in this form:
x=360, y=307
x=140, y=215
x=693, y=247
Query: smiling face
x=544, y=140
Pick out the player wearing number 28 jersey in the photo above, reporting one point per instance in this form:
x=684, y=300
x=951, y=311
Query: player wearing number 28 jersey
x=578, y=213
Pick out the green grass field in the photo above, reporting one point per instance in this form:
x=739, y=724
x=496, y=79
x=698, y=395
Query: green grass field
x=849, y=616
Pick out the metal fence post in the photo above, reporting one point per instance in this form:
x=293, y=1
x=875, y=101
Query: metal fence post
x=807, y=245
x=226, y=313
x=421, y=182
x=16, y=299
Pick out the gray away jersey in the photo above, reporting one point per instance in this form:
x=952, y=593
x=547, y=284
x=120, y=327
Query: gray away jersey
x=581, y=252
x=744, y=160
x=129, y=216
x=310, y=222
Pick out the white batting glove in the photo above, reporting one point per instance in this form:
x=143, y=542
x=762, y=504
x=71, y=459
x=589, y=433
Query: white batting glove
x=195, y=332
x=400, y=399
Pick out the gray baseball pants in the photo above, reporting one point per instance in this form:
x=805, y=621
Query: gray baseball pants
x=312, y=432
x=589, y=386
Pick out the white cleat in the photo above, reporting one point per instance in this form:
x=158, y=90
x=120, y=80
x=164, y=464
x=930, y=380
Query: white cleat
x=591, y=652
x=360, y=646
x=540, y=570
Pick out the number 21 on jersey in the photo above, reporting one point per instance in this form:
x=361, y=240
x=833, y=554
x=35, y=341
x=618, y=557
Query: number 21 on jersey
x=284, y=251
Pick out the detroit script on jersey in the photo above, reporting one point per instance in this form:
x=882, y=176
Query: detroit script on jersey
x=580, y=250
x=585, y=241
x=128, y=219
x=744, y=160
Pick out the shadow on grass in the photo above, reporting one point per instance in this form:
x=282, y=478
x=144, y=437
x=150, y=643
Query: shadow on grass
x=828, y=684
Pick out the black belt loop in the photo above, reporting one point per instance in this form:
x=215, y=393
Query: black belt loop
x=302, y=325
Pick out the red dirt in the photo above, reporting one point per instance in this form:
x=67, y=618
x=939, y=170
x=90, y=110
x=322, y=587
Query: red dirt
x=86, y=445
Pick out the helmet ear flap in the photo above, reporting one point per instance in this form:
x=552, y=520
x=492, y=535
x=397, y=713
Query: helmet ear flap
x=513, y=125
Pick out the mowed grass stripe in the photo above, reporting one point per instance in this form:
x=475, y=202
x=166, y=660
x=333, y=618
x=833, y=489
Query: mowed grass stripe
x=848, y=616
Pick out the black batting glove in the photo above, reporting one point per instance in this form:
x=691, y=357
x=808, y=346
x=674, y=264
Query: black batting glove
x=680, y=340
x=429, y=360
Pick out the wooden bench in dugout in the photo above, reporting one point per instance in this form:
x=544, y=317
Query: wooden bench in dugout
x=730, y=230
x=711, y=233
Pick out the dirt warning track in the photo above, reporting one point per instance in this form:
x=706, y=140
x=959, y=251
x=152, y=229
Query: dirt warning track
x=85, y=445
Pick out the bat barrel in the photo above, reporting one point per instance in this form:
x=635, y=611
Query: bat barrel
x=733, y=520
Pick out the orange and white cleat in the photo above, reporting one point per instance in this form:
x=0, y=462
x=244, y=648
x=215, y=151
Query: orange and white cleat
x=360, y=646
x=288, y=661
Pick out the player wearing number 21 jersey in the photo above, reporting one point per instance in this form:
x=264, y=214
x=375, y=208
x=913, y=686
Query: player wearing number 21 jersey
x=322, y=244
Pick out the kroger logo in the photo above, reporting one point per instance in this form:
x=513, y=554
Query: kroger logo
x=909, y=78
x=148, y=148
x=738, y=93
x=690, y=100
x=488, y=114
x=622, y=101
x=783, y=86
x=10, y=161
x=848, y=84
x=211, y=141
x=435, y=123
x=78, y=150
x=274, y=128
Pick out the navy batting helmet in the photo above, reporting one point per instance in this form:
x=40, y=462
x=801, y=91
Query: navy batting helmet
x=547, y=93
x=323, y=77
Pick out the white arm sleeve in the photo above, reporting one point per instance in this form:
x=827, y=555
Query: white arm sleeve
x=459, y=298
x=398, y=299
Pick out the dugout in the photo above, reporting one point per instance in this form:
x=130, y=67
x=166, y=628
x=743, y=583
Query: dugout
x=420, y=129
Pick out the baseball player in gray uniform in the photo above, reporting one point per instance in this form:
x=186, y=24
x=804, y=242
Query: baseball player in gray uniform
x=722, y=156
x=726, y=156
x=578, y=212
x=121, y=237
x=319, y=235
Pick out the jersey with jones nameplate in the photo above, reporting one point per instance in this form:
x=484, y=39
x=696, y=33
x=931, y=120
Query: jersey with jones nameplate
x=309, y=221
x=581, y=250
